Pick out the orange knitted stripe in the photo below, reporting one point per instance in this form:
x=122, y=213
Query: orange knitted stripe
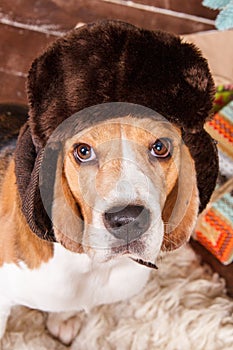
x=208, y=244
x=224, y=244
x=222, y=126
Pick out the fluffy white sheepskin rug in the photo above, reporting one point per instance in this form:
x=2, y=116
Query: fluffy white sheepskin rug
x=184, y=306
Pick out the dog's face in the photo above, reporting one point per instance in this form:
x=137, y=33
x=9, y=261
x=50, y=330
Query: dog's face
x=119, y=185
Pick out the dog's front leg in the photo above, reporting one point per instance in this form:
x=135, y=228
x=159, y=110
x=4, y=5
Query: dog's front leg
x=64, y=325
x=4, y=314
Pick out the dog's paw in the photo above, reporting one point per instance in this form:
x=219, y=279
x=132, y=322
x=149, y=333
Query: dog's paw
x=64, y=326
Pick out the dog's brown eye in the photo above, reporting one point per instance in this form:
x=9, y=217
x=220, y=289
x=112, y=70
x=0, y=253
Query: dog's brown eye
x=161, y=148
x=84, y=152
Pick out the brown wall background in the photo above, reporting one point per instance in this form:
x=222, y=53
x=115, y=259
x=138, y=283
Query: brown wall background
x=28, y=26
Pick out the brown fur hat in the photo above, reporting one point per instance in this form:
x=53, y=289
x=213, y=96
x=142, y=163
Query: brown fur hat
x=111, y=61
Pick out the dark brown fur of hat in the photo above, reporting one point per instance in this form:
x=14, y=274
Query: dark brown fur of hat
x=111, y=61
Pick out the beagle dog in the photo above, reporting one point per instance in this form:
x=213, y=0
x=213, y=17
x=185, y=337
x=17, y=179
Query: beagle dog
x=110, y=168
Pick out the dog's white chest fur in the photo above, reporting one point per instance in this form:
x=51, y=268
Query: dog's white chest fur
x=71, y=282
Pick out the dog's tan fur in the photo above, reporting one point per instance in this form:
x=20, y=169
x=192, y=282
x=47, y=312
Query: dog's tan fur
x=17, y=241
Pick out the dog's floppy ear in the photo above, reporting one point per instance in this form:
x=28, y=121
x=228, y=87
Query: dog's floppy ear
x=196, y=182
x=64, y=210
x=181, y=207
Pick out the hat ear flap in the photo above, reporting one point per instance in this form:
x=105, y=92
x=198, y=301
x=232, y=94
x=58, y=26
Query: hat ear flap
x=203, y=150
x=27, y=167
x=181, y=207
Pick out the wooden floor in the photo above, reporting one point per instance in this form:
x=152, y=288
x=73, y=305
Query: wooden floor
x=28, y=26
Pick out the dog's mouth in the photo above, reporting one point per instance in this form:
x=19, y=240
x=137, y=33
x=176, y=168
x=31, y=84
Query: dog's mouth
x=145, y=263
x=131, y=249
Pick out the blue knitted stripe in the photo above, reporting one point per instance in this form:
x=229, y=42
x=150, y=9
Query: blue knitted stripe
x=225, y=207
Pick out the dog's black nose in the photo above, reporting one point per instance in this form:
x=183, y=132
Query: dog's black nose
x=127, y=223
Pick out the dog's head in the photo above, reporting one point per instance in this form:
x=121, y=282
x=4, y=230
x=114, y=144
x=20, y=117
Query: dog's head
x=115, y=176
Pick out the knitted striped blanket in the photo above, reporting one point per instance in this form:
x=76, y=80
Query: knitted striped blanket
x=215, y=225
